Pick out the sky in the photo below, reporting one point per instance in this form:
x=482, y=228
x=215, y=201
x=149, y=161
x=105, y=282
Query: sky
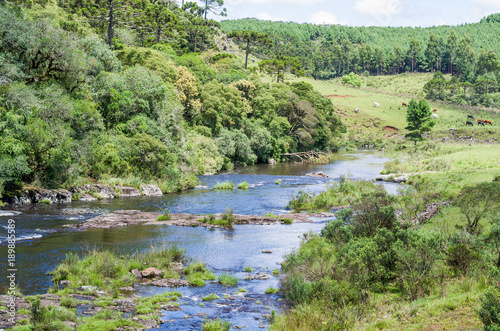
x=364, y=12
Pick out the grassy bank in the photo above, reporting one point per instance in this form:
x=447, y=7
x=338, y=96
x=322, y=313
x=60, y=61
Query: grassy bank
x=98, y=279
x=381, y=267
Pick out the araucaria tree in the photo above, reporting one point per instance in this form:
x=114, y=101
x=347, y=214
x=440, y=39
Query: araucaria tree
x=280, y=65
x=250, y=39
x=214, y=6
x=418, y=117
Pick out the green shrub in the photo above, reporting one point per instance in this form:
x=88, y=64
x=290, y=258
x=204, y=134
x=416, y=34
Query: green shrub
x=248, y=269
x=227, y=279
x=286, y=220
x=46, y=201
x=243, y=186
x=165, y=216
x=226, y=185
x=489, y=312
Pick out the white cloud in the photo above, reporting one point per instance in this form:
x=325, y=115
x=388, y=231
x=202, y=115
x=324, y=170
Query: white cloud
x=486, y=4
x=268, y=17
x=379, y=7
x=325, y=17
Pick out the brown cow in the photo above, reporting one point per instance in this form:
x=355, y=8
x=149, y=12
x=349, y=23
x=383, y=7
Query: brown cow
x=488, y=122
x=404, y=105
x=435, y=110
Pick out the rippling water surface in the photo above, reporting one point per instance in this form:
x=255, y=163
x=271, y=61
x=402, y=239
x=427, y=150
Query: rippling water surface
x=44, y=242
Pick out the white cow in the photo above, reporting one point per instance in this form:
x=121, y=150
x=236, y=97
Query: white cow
x=376, y=104
x=356, y=110
x=435, y=115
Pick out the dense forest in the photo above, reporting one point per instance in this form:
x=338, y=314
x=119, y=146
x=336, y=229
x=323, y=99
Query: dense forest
x=463, y=50
x=98, y=90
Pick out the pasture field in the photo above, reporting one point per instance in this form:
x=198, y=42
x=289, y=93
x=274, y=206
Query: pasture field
x=439, y=167
x=372, y=124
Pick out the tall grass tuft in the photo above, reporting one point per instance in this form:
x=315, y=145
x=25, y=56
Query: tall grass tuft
x=216, y=325
x=243, y=186
x=226, y=185
x=227, y=279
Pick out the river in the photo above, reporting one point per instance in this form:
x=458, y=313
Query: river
x=44, y=242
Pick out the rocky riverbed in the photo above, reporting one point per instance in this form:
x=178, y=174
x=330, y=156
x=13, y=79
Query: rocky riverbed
x=122, y=218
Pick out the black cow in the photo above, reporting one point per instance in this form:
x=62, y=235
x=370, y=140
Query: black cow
x=469, y=123
x=470, y=116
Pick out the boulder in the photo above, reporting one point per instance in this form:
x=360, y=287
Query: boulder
x=151, y=272
x=317, y=174
x=170, y=282
x=171, y=308
x=105, y=191
x=86, y=197
x=127, y=191
x=272, y=161
x=151, y=190
x=37, y=195
x=177, y=267
x=257, y=277
x=401, y=179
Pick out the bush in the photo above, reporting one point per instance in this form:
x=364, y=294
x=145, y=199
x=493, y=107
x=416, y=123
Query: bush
x=210, y=297
x=489, y=312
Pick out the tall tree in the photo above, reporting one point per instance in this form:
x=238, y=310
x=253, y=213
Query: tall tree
x=418, y=117
x=214, y=6
x=104, y=14
x=250, y=39
x=159, y=19
x=280, y=65
x=451, y=50
x=413, y=52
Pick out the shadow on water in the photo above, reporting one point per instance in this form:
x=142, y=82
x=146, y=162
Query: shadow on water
x=46, y=242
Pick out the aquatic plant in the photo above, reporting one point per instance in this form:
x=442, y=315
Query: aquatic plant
x=210, y=297
x=165, y=216
x=226, y=185
x=216, y=325
x=286, y=220
x=227, y=279
x=243, y=186
x=248, y=269
x=272, y=290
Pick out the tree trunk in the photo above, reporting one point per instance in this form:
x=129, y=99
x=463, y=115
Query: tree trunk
x=498, y=262
x=247, y=52
x=110, y=24
x=206, y=9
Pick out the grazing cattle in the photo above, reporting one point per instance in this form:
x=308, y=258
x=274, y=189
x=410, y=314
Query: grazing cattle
x=435, y=110
x=470, y=116
x=435, y=115
x=404, y=104
x=469, y=123
x=376, y=104
x=356, y=110
x=480, y=122
x=488, y=122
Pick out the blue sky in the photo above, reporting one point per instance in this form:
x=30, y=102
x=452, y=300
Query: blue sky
x=365, y=12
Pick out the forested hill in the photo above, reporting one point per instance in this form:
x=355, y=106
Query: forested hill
x=483, y=34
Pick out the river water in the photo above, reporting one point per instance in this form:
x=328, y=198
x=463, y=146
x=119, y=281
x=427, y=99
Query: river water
x=44, y=242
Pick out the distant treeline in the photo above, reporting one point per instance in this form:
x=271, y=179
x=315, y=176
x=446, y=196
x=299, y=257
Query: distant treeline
x=327, y=51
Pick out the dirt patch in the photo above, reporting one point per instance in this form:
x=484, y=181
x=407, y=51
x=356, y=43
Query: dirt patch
x=121, y=218
x=391, y=128
x=337, y=96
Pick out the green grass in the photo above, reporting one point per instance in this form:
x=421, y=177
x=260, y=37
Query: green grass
x=275, y=272
x=248, y=269
x=107, y=270
x=277, y=182
x=216, y=325
x=227, y=279
x=196, y=273
x=226, y=185
x=271, y=214
x=227, y=219
x=152, y=305
x=164, y=217
x=286, y=220
x=210, y=297
x=46, y=201
x=243, y=186
x=271, y=290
